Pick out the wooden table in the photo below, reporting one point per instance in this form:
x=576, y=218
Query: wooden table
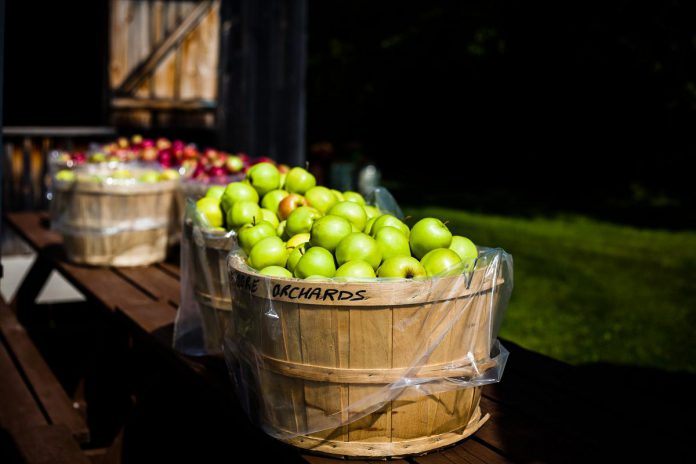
x=542, y=411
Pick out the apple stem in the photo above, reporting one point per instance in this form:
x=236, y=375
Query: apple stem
x=407, y=218
x=306, y=163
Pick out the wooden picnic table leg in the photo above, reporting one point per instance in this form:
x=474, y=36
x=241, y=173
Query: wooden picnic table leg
x=29, y=289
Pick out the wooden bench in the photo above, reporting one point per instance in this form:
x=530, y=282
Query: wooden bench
x=543, y=410
x=34, y=410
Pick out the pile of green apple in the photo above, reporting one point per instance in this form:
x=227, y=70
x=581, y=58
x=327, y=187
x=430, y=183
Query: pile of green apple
x=289, y=227
x=122, y=176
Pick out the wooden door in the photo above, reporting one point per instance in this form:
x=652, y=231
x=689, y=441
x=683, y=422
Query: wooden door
x=163, y=63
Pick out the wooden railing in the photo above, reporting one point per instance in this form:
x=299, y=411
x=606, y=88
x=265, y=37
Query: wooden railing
x=25, y=161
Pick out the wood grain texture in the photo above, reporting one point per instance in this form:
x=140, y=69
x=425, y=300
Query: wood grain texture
x=49, y=444
x=49, y=393
x=18, y=408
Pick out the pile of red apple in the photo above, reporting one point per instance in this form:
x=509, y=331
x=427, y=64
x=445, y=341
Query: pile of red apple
x=209, y=165
x=289, y=227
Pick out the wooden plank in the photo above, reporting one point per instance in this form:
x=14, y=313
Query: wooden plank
x=170, y=268
x=49, y=444
x=143, y=69
x=33, y=228
x=325, y=460
x=18, y=408
x=163, y=104
x=199, y=58
x=148, y=317
x=50, y=393
x=118, y=65
x=155, y=281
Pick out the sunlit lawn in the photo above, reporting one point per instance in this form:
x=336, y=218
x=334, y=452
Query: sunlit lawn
x=587, y=291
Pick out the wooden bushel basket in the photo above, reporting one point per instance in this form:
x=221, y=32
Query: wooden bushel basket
x=210, y=282
x=113, y=225
x=312, y=350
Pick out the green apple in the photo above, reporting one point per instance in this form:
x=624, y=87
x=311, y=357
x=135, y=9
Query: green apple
x=250, y=234
x=275, y=271
x=301, y=220
x=283, y=176
x=441, y=262
x=391, y=221
x=320, y=198
x=269, y=251
x=97, y=158
x=295, y=255
x=269, y=216
x=264, y=177
x=405, y=267
x=149, y=177
x=272, y=199
x=355, y=197
x=215, y=191
x=328, y=231
x=297, y=240
x=235, y=192
x=65, y=175
x=209, y=209
x=317, y=277
x=355, y=270
x=392, y=242
x=169, y=174
x=338, y=195
x=368, y=225
x=299, y=180
x=122, y=174
x=280, y=230
x=289, y=204
x=243, y=212
x=316, y=261
x=466, y=250
x=428, y=234
x=372, y=211
x=351, y=211
x=359, y=246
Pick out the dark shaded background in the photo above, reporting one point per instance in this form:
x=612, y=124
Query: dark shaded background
x=498, y=106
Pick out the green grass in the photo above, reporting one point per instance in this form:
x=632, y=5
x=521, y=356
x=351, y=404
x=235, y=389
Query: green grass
x=586, y=291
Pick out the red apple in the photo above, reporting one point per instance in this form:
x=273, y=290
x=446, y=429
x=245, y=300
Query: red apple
x=288, y=204
x=149, y=154
x=163, y=143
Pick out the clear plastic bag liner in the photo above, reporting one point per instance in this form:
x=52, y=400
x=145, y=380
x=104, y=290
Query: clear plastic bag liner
x=316, y=355
x=205, y=295
x=385, y=201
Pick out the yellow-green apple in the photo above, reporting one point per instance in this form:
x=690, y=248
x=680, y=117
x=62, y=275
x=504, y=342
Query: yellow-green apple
x=428, y=234
x=272, y=199
x=243, y=212
x=392, y=242
x=466, y=250
x=209, y=209
x=264, y=177
x=269, y=216
x=275, y=271
x=280, y=230
x=320, y=198
x=299, y=180
x=441, y=262
x=234, y=164
x=288, y=204
x=295, y=255
x=355, y=270
x=391, y=221
x=355, y=197
x=405, y=267
x=149, y=177
x=351, y=211
x=235, y=192
x=269, y=251
x=301, y=220
x=372, y=211
x=250, y=234
x=215, y=191
x=65, y=175
x=169, y=174
x=297, y=240
x=328, y=231
x=338, y=195
x=359, y=246
x=368, y=225
x=316, y=261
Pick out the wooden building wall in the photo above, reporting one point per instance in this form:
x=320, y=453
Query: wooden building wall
x=163, y=63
